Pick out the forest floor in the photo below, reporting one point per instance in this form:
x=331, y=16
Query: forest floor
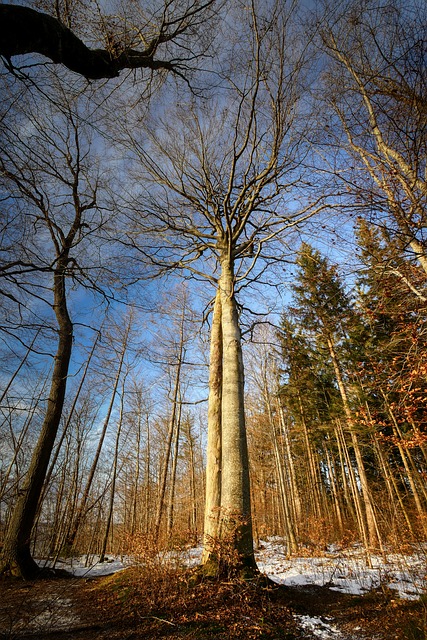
x=135, y=604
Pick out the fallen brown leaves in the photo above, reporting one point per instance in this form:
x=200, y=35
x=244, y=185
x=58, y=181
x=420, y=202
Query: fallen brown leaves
x=176, y=604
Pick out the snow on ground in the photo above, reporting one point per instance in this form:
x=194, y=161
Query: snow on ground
x=342, y=570
x=320, y=628
x=347, y=571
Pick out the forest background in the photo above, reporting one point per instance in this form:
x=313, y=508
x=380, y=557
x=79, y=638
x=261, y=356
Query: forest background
x=279, y=158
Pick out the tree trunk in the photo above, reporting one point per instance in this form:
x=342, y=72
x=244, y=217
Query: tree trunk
x=164, y=473
x=81, y=511
x=135, y=491
x=69, y=418
x=284, y=487
x=16, y=555
x=214, y=452
x=171, y=499
x=114, y=477
x=374, y=535
x=235, y=515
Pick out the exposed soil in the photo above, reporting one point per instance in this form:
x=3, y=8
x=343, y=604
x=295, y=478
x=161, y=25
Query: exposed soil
x=133, y=605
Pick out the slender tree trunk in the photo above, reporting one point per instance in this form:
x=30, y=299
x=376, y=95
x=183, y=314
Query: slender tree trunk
x=192, y=482
x=16, y=555
x=296, y=501
x=18, y=369
x=81, y=511
x=68, y=420
x=147, y=478
x=361, y=522
x=214, y=449
x=114, y=476
x=374, y=535
x=280, y=472
x=334, y=488
x=175, y=452
x=409, y=475
x=164, y=473
x=348, y=502
x=134, y=507
x=392, y=488
x=18, y=444
x=313, y=470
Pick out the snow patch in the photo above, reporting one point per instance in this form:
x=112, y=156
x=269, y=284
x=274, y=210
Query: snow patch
x=319, y=628
x=347, y=571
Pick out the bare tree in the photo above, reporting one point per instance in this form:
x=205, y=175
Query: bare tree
x=218, y=176
x=45, y=172
x=167, y=36
x=376, y=86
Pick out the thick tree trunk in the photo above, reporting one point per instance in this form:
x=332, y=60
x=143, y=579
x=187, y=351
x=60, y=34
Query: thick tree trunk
x=24, y=30
x=235, y=514
x=16, y=555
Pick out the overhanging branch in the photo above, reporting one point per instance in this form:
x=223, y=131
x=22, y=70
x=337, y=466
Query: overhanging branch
x=24, y=30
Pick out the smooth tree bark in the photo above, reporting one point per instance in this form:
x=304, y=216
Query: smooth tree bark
x=214, y=443
x=235, y=513
x=219, y=181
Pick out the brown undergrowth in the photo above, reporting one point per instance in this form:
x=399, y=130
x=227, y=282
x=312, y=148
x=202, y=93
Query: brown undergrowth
x=140, y=603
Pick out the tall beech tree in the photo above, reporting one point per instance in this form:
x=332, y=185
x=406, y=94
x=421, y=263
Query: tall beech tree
x=218, y=176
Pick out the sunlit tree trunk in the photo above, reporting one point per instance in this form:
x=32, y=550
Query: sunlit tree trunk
x=313, y=471
x=135, y=491
x=193, y=525
x=285, y=498
x=296, y=501
x=147, y=472
x=392, y=488
x=214, y=449
x=334, y=488
x=235, y=516
x=361, y=522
